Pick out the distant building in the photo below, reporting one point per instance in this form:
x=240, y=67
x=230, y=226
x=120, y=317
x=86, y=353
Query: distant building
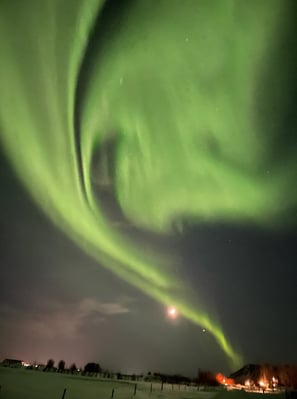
x=266, y=376
x=12, y=363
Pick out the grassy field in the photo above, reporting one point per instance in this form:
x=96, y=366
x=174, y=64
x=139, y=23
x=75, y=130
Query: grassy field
x=27, y=384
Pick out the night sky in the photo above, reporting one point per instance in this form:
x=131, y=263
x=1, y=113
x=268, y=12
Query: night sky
x=219, y=219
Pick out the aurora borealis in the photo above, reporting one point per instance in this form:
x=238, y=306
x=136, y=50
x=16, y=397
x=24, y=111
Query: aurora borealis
x=194, y=101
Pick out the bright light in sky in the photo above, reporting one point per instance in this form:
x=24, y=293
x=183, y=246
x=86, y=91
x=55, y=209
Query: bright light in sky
x=172, y=312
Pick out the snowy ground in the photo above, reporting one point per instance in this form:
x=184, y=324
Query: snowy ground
x=26, y=384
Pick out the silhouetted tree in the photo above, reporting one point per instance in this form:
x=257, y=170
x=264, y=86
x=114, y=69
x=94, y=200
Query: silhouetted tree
x=73, y=368
x=93, y=368
x=61, y=366
x=49, y=365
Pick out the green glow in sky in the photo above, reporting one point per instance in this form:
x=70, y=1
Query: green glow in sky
x=178, y=84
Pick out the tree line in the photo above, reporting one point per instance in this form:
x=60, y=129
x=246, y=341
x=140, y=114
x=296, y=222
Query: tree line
x=90, y=368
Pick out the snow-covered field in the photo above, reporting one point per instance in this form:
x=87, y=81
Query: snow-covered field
x=26, y=384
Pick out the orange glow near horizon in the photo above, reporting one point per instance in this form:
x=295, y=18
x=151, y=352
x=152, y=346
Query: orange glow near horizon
x=224, y=380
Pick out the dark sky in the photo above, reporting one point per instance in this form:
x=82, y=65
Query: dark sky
x=57, y=302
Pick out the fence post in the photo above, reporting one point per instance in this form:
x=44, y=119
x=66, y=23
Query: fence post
x=64, y=393
x=135, y=389
x=112, y=393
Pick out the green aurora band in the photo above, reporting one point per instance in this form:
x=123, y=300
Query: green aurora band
x=178, y=83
